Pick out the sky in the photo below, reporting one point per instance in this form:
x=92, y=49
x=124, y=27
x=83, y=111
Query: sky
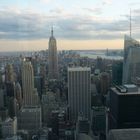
x=78, y=24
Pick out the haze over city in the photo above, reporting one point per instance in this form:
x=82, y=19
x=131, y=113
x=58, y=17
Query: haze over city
x=69, y=70
x=91, y=24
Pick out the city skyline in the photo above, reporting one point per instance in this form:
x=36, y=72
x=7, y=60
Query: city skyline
x=25, y=25
x=73, y=97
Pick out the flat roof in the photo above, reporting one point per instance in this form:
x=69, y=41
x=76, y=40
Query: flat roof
x=125, y=134
x=130, y=86
x=30, y=109
x=8, y=119
x=79, y=69
x=127, y=93
x=83, y=136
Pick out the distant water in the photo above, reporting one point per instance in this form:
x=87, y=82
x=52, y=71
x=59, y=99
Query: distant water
x=15, y=53
x=83, y=53
x=100, y=54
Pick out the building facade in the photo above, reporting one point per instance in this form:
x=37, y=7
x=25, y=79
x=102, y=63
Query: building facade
x=124, y=107
x=9, y=127
x=105, y=82
x=124, y=134
x=79, y=92
x=9, y=73
x=30, y=119
x=30, y=96
x=131, y=63
x=53, y=62
x=117, y=70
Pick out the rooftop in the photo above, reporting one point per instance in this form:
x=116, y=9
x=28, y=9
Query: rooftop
x=84, y=137
x=31, y=109
x=79, y=69
x=9, y=120
x=132, y=40
x=124, y=134
x=130, y=86
x=126, y=93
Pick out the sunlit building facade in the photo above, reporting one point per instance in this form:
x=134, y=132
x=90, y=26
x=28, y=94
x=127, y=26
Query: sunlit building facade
x=30, y=96
x=131, y=63
x=53, y=62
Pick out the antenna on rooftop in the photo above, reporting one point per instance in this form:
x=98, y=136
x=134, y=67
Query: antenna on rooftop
x=130, y=24
x=52, y=31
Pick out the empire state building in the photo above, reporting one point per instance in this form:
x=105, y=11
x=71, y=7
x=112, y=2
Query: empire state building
x=53, y=62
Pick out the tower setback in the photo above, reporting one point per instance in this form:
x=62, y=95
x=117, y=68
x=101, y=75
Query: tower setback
x=53, y=62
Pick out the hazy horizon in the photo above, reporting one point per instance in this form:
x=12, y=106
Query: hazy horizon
x=25, y=25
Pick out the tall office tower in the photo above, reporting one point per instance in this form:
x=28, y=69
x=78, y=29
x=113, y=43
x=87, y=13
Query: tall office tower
x=1, y=98
x=12, y=106
x=43, y=73
x=124, y=134
x=98, y=117
x=49, y=103
x=131, y=63
x=9, y=74
x=38, y=85
x=35, y=64
x=124, y=107
x=18, y=94
x=10, y=89
x=105, y=82
x=79, y=92
x=117, y=69
x=30, y=96
x=29, y=118
x=100, y=64
x=9, y=127
x=53, y=62
x=9, y=80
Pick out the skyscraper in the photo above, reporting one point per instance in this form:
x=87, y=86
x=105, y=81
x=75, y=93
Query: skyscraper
x=53, y=62
x=10, y=80
x=105, y=82
x=79, y=92
x=124, y=107
x=1, y=98
x=9, y=73
x=131, y=63
x=9, y=127
x=18, y=94
x=29, y=118
x=117, y=69
x=30, y=96
x=124, y=134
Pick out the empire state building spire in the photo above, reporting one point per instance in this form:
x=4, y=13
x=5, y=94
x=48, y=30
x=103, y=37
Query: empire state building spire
x=53, y=62
x=52, y=32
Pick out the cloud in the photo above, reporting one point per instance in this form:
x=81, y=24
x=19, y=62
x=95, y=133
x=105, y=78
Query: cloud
x=93, y=10
x=45, y=1
x=28, y=24
x=57, y=10
x=107, y=2
x=134, y=3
